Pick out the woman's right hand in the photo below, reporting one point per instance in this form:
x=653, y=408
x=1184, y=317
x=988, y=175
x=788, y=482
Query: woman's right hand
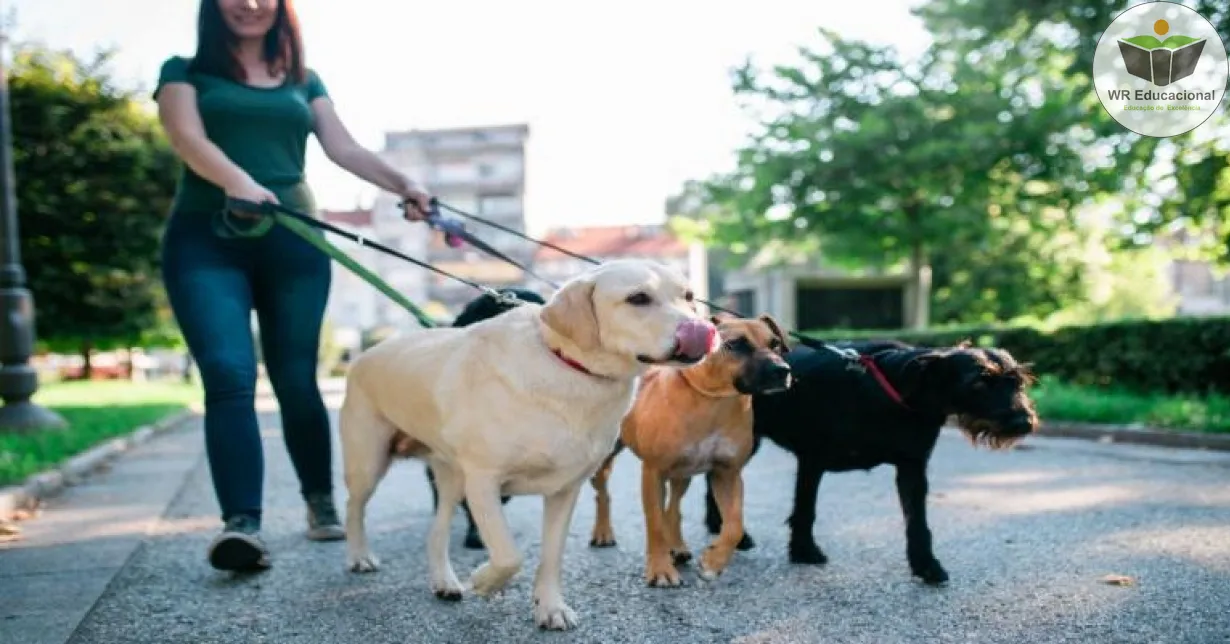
x=250, y=190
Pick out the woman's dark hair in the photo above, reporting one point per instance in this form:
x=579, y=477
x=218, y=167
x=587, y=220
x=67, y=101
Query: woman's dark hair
x=215, y=53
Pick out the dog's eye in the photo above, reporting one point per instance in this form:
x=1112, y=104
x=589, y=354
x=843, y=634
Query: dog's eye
x=640, y=299
x=689, y=296
x=736, y=345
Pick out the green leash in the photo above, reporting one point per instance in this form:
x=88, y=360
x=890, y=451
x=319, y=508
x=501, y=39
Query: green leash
x=227, y=225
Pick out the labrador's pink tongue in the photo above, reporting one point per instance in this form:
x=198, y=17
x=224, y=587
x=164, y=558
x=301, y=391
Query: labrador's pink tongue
x=695, y=338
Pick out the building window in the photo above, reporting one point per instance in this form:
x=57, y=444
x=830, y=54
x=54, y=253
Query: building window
x=505, y=204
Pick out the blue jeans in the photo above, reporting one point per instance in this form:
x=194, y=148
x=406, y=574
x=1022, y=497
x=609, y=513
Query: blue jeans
x=213, y=284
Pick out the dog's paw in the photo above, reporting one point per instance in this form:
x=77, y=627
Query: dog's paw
x=712, y=563
x=362, y=562
x=663, y=575
x=930, y=572
x=807, y=553
x=602, y=538
x=554, y=615
x=746, y=543
x=473, y=541
x=489, y=578
x=681, y=556
x=447, y=589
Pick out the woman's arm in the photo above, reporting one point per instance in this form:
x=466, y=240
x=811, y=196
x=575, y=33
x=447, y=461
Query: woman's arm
x=182, y=122
x=342, y=149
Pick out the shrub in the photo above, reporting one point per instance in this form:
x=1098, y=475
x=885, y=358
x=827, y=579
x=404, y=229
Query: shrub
x=1177, y=355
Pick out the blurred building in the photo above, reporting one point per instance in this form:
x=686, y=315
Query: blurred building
x=1200, y=289
x=605, y=243
x=479, y=170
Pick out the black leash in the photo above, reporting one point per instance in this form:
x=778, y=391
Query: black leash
x=814, y=343
x=270, y=208
x=455, y=233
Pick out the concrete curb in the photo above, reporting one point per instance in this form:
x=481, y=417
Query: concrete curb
x=1136, y=435
x=47, y=484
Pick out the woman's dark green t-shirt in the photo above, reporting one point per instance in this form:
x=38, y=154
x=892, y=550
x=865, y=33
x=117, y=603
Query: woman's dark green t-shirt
x=262, y=130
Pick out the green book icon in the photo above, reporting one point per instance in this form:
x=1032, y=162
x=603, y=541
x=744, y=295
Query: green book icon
x=1161, y=62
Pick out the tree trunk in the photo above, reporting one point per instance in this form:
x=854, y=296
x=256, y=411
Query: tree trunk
x=87, y=367
x=920, y=273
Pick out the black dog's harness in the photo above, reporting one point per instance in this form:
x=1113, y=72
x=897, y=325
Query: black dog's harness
x=861, y=363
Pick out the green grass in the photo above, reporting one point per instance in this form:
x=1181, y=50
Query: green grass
x=95, y=411
x=1149, y=42
x=1060, y=401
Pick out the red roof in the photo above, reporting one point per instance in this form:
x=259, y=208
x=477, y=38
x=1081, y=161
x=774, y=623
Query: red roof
x=613, y=241
x=348, y=217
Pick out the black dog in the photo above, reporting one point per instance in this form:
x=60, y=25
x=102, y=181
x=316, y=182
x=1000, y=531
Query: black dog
x=840, y=416
x=481, y=308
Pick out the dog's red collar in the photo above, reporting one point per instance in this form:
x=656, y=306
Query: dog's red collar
x=887, y=386
x=574, y=364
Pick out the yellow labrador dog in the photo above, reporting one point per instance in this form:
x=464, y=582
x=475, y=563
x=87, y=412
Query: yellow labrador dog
x=526, y=403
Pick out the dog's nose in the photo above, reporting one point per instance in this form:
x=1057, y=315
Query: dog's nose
x=776, y=375
x=1021, y=425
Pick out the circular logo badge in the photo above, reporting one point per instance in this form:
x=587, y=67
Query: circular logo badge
x=1160, y=69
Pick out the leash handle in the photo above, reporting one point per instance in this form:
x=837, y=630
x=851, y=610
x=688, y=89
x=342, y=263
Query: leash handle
x=243, y=205
x=453, y=229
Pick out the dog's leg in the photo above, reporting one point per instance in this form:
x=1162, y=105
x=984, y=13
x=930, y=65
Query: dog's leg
x=659, y=569
x=366, y=443
x=674, y=520
x=803, y=548
x=472, y=541
x=550, y=611
x=483, y=497
x=443, y=578
x=713, y=516
x=728, y=489
x=431, y=481
x=912, y=491
x=603, y=535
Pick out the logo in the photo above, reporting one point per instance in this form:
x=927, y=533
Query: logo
x=1160, y=69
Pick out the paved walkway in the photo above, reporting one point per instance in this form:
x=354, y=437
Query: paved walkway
x=1026, y=536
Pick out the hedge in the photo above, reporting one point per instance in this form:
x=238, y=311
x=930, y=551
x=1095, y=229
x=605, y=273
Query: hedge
x=1177, y=355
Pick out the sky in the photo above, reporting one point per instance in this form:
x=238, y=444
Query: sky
x=624, y=101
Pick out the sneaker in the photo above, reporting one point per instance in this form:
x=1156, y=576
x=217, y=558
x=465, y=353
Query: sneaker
x=323, y=524
x=239, y=547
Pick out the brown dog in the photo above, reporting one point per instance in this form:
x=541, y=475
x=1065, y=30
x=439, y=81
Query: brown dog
x=689, y=421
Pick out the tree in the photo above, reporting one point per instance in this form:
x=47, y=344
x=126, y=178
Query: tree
x=1196, y=194
x=94, y=181
x=872, y=161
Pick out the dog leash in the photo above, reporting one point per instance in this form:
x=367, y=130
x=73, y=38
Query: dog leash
x=303, y=225
x=855, y=360
x=455, y=234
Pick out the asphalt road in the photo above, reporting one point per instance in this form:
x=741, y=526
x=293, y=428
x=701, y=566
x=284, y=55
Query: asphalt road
x=1026, y=535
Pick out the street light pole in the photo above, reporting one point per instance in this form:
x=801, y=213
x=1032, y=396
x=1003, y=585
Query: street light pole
x=18, y=380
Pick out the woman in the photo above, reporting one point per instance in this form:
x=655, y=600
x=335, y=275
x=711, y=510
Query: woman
x=238, y=114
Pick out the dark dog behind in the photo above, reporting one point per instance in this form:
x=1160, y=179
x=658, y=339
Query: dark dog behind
x=839, y=417
x=481, y=308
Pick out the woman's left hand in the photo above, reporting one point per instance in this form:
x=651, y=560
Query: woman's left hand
x=417, y=203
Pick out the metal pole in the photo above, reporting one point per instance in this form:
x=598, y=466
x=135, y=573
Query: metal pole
x=18, y=380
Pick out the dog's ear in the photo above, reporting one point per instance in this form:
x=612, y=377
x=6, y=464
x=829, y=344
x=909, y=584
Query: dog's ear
x=928, y=367
x=570, y=313
x=777, y=331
